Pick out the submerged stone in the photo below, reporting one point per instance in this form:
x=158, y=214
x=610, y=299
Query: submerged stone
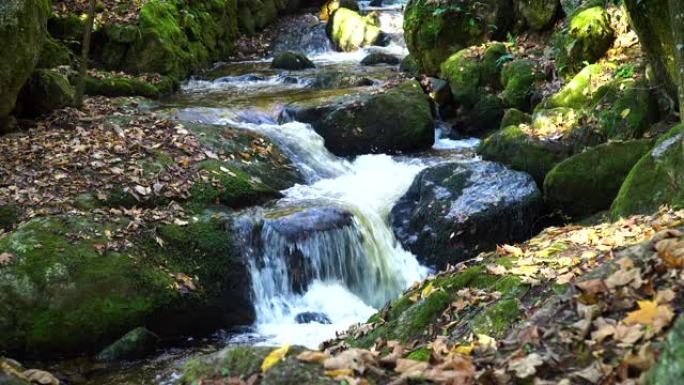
x=453, y=212
x=375, y=58
x=292, y=61
x=311, y=317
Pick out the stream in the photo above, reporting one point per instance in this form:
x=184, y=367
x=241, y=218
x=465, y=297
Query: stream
x=351, y=270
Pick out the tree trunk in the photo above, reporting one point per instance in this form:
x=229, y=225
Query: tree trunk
x=85, y=54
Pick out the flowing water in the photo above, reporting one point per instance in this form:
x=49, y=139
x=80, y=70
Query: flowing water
x=347, y=270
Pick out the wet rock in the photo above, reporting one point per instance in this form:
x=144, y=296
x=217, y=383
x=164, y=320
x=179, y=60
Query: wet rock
x=311, y=317
x=292, y=61
x=331, y=6
x=334, y=79
x=398, y=120
x=376, y=58
x=409, y=65
x=22, y=32
x=436, y=30
x=588, y=182
x=349, y=31
x=300, y=225
x=454, y=211
x=655, y=180
x=301, y=34
x=45, y=91
x=136, y=344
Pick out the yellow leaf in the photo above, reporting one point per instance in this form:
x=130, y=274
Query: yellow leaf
x=339, y=373
x=464, y=349
x=651, y=314
x=625, y=113
x=427, y=291
x=274, y=357
x=312, y=356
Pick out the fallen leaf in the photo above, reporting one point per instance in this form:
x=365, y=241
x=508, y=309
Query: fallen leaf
x=274, y=357
x=313, y=356
x=526, y=366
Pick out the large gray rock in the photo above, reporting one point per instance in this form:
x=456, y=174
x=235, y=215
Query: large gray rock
x=23, y=26
x=396, y=121
x=454, y=211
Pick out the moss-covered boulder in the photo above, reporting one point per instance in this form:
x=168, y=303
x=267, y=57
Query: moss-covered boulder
x=349, y=31
x=521, y=149
x=230, y=186
x=409, y=65
x=588, y=182
x=45, y=91
x=436, y=30
x=54, y=54
x=462, y=71
x=331, y=6
x=245, y=361
x=375, y=58
x=136, y=344
x=624, y=108
x=518, y=78
x=395, y=121
x=485, y=116
x=651, y=21
x=578, y=92
x=655, y=180
x=293, y=61
x=67, y=289
x=66, y=27
x=588, y=37
x=538, y=14
x=454, y=211
x=669, y=368
x=112, y=85
x=174, y=38
x=23, y=26
x=515, y=117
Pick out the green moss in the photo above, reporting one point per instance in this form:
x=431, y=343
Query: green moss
x=515, y=117
x=462, y=70
x=66, y=27
x=45, y=91
x=496, y=319
x=493, y=59
x=350, y=31
x=624, y=109
x=515, y=148
x=587, y=39
x=655, y=180
x=518, y=78
x=669, y=368
x=292, y=61
x=10, y=215
x=115, y=86
x=422, y=354
x=415, y=319
x=538, y=14
x=230, y=186
x=588, y=182
x=434, y=31
x=580, y=90
x=236, y=361
x=53, y=54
